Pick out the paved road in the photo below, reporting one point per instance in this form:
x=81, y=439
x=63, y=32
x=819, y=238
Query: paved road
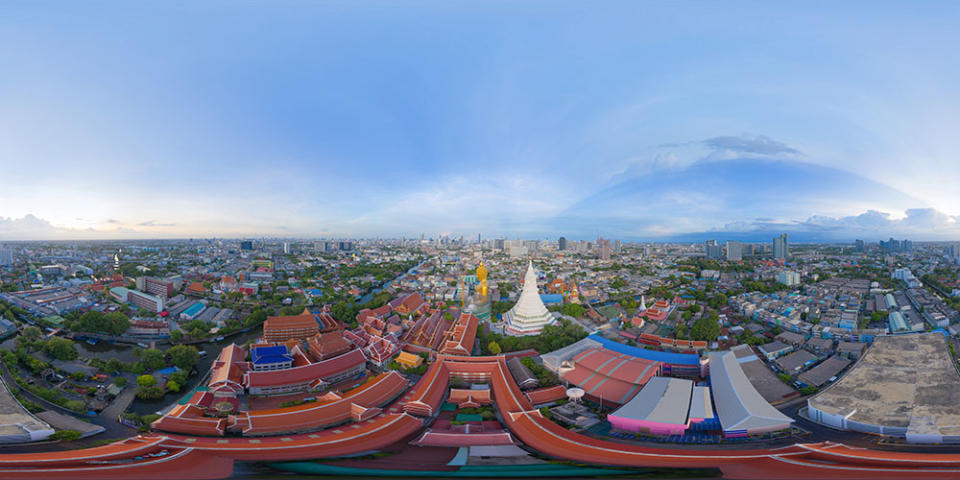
x=119, y=404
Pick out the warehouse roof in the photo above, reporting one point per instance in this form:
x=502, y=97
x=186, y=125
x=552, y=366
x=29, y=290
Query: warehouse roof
x=662, y=400
x=738, y=404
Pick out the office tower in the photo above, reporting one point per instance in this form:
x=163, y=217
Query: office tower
x=734, y=251
x=781, y=247
x=6, y=256
x=562, y=243
x=859, y=245
x=246, y=245
x=498, y=244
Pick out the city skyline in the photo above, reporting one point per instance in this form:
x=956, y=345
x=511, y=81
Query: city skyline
x=378, y=120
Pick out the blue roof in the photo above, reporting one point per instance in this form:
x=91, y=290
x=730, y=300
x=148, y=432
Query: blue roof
x=665, y=357
x=194, y=309
x=274, y=354
x=551, y=298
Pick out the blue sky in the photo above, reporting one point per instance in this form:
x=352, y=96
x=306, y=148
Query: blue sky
x=505, y=118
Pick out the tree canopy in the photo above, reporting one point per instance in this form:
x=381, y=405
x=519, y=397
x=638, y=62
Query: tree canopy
x=706, y=328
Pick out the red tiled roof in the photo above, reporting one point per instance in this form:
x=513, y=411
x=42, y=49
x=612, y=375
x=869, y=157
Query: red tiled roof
x=544, y=395
x=227, y=370
x=460, y=338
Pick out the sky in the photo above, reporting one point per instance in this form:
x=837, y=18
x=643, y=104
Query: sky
x=633, y=120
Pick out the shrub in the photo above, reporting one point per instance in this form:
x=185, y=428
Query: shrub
x=65, y=435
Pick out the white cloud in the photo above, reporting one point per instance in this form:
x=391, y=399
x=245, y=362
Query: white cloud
x=919, y=223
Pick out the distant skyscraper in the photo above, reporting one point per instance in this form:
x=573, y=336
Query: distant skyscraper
x=498, y=244
x=246, y=245
x=781, y=247
x=6, y=256
x=617, y=246
x=734, y=251
x=859, y=245
x=562, y=243
x=896, y=246
x=712, y=249
x=286, y=248
x=603, y=249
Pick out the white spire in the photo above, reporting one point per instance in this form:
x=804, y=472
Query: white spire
x=529, y=315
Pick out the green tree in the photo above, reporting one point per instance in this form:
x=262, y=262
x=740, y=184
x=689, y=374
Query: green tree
x=146, y=380
x=574, y=310
x=120, y=381
x=184, y=357
x=61, y=349
x=150, y=393
x=706, y=328
x=179, y=376
x=173, y=386
x=32, y=332
x=176, y=336
x=152, y=359
x=494, y=348
x=115, y=365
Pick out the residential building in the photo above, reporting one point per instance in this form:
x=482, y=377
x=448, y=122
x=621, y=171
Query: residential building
x=151, y=303
x=788, y=278
x=781, y=247
x=6, y=256
x=734, y=251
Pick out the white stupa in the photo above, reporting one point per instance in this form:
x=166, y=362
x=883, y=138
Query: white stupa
x=529, y=315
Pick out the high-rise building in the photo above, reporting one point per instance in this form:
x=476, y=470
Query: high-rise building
x=603, y=249
x=562, y=243
x=6, y=256
x=781, y=247
x=498, y=244
x=617, y=246
x=286, y=248
x=246, y=245
x=711, y=248
x=734, y=251
x=859, y=245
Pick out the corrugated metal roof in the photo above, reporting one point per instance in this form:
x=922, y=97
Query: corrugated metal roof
x=662, y=400
x=738, y=404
